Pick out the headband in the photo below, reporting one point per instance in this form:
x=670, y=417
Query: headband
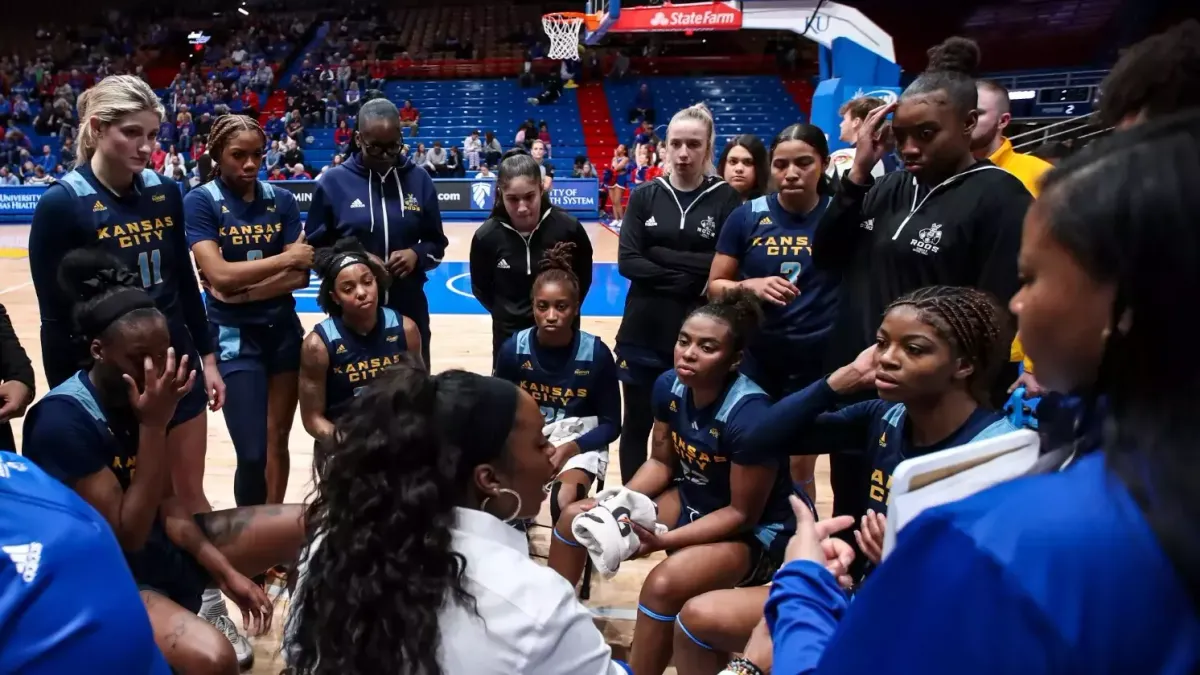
x=115, y=306
x=483, y=431
x=345, y=260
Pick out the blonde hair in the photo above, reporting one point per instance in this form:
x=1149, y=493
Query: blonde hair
x=108, y=101
x=697, y=113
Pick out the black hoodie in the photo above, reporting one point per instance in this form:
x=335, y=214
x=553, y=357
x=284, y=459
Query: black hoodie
x=894, y=236
x=504, y=264
x=666, y=251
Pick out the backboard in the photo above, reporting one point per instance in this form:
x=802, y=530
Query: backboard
x=633, y=17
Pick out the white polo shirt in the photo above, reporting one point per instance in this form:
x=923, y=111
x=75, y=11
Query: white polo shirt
x=528, y=621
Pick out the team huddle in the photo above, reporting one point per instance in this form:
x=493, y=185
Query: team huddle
x=777, y=310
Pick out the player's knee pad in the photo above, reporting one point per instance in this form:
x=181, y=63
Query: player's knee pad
x=555, y=491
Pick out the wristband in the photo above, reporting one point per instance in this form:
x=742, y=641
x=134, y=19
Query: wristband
x=741, y=666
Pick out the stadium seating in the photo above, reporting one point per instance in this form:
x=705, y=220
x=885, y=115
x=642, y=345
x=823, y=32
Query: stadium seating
x=747, y=104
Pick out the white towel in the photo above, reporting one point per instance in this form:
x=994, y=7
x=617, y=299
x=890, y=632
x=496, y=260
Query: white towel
x=605, y=531
x=563, y=431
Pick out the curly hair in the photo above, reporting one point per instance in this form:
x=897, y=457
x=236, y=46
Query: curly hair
x=223, y=129
x=324, y=263
x=92, y=276
x=973, y=322
x=382, y=510
x=1157, y=76
x=555, y=267
x=737, y=308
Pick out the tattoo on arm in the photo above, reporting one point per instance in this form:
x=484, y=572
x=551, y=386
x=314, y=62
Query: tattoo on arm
x=225, y=527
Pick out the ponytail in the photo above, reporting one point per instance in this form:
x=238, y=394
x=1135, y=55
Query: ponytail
x=701, y=114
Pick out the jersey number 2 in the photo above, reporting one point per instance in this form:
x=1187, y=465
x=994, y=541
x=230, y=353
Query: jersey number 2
x=552, y=414
x=150, y=263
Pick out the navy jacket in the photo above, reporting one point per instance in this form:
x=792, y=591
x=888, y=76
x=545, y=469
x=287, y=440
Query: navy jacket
x=387, y=212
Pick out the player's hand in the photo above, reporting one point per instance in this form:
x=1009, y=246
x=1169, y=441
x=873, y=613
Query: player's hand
x=252, y=600
x=16, y=397
x=651, y=541
x=859, y=374
x=300, y=253
x=214, y=384
x=402, y=263
x=775, y=290
x=813, y=541
x=154, y=402
x=1033, y=389
x=872, y=143
x=869, y=535
x=562, y=453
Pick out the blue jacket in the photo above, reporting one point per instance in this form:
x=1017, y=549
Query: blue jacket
x=1049, y=575
x=387, y=212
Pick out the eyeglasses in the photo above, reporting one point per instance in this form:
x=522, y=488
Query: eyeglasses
x=380, y=150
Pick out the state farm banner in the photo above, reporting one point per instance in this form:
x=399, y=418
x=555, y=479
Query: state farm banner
x=687, y=17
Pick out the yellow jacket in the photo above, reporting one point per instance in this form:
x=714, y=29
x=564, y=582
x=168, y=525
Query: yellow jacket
x=1028, y=169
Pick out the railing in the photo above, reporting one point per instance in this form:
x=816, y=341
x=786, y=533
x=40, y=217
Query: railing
x=663, y=65
x=1063, y=78
x=1024, y=142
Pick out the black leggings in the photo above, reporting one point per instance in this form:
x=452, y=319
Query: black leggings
x=635, y=427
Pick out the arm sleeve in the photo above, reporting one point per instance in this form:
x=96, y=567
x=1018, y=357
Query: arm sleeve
x=916, y=609
x=998, y=242
x=632, y=260
x=660, y=396
x=321, y=225
x=199, y=222
x=61, y=442
x=14, y=362
x=607, y=397
x=481, y=267
x=190, y=300
x=581, y=260
x=432, y=247
x=839, y=231
x=798, y=421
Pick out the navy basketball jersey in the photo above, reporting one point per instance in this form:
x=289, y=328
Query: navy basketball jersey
x=144, y=229
x=244, y=231
x=563, y=391
x=708, y=440
x=355, y=360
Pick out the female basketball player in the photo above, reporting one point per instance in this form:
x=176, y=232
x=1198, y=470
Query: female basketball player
x=743, y=165
x=249, y=245
x=766, y=248
x=935, y=354
x=1099, y=317
x=103, y=432
x=358, y=341
x=666, y=250
x=728, y=513
x=385, y=201
x=505, y=250
x=946, y=219
x=411, y=556
x=570, y=373
x=112, y=201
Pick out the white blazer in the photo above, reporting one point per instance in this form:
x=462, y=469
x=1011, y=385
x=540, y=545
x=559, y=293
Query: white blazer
x=529, y=620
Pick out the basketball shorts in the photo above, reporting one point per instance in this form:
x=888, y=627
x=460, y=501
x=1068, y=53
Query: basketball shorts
x=273, y=347
x=163, y=567
x=767, y=543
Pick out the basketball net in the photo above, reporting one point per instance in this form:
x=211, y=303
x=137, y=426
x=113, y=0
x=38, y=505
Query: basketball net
x=563, y=29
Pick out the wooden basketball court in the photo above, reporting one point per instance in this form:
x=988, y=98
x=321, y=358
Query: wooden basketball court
x=459, y=341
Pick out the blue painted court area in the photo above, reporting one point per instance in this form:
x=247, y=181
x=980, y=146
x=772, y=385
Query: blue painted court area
x=449, y=292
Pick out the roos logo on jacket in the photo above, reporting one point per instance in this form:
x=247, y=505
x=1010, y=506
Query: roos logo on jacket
x=480, y=194
x=928, y=239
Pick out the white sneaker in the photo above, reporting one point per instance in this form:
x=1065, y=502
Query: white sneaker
x=214, y=611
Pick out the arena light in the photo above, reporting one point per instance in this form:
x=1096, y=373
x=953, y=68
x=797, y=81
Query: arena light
x=243, y=12
x=198, y=38
x=1022, y=95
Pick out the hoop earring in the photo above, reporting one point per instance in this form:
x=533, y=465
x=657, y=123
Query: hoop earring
x=516, y=511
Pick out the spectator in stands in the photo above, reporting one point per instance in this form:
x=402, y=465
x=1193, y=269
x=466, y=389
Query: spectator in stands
x=454, y=164
x=538, y=151
x=20, y=110
x=299, y=172
x=472, y=148
x=643, y=106
x=158, y=157
x=544, y=136
x=47, y=159
x=410, y=118
x=743, y=165
x=185, y=128
x=485, y=172
x=551, y=93
x=295, y=128
x=353, y=98
x=250, y=103
x=39, y=176
x=172, y=160
x=333, y=106
x=988, y=141
x=583, y=168
x=645, y=135
x=342, y=137
x=263, y=78
x=45, y=124
x=421, y=157
x=204, y=125
x=5, y=111
x=58, y=172
x=492, y=150
x=278, y=173
x=292, y=154
x=437, y=160
x=67, y=152
x=7, y=178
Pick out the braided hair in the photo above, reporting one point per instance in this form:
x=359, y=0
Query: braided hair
x=973, y=322
x=224, y=129
x=740, y=310
x=555, y=267
x=329, y=262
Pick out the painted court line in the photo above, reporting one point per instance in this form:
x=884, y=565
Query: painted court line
x=15, y=288
x=615, y=613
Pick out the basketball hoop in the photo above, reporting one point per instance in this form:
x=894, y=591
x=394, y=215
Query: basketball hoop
x=563, y=29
